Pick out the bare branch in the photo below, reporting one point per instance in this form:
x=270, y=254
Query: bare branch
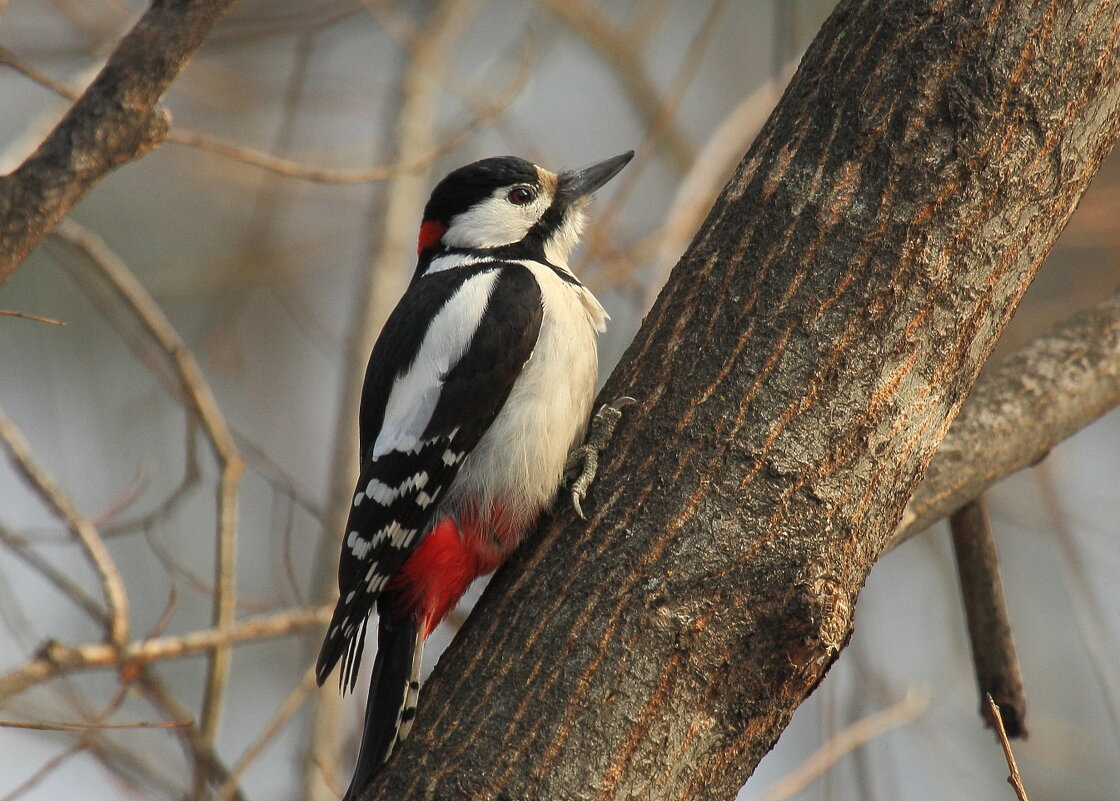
x=294, y=169
x=116, y=627
x=201, y=401
x=43, y=771
x=989, y=627
x=296, y=698
x=659, y=127
x=205, y=758
x=10, y=59
x=48, y=571
x=29, y=316
x=56, y=658
x=487, y=110
x=114, y=121
x=1015, y=780
x=620, y=52
x=1041, y=395
x=909, y=709
x=76, y=726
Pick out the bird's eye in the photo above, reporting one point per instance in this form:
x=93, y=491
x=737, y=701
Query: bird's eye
x=520, y=195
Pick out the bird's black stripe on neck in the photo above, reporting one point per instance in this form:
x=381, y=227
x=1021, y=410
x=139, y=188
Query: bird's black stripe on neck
x=516, y=251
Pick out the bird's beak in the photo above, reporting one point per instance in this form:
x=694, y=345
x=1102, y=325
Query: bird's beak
x=578, y=184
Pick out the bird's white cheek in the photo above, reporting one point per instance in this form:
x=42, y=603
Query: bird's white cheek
x=492, y=223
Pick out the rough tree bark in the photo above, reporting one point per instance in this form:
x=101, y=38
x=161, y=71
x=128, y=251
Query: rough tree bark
x=795, y=377
x=1037, y=398
x=114, y=121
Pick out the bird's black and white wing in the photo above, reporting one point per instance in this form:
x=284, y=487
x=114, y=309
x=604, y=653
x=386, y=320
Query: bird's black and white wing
x=439, y=374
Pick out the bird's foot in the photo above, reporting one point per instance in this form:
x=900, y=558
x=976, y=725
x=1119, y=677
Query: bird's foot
x=583, y=463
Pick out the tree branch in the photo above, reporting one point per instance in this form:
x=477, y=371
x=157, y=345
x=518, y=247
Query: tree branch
x=56, y=658
x=1041, y=395
x=989, y=626
x=201, y=402
x=796, y=376
x=112, y=586
x=114, y=121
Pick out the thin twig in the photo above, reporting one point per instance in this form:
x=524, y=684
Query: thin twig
x=56, y=658
x=598, y=235
x=10, y=59
x=620, y=52
x=147, y=680
x=127, y=497
x=76, y=726
x=328, y=175
x=166, y=508
x=205, y=758
x=485, y=114
x=201, y=401
x=989, y=626
x=28, y=316
x=44, y=770
x=47, y=569
x=1015, y=780
x=112, y=585
x=92, y=739
x=859, y=733
x=296, y=699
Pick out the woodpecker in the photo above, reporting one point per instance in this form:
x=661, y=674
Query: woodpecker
x=478, y=388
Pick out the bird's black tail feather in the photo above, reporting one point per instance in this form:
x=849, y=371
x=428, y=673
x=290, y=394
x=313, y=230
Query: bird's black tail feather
x=393, y=690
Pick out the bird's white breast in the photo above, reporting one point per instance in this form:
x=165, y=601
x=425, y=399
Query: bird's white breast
x=519, y=462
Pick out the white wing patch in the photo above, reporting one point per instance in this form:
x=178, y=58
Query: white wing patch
x=358, y=545
x=415, y=394
x=450, y=262
x=394, y=533
x=385, y=495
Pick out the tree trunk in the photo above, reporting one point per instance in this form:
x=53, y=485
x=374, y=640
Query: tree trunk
x=795, y=377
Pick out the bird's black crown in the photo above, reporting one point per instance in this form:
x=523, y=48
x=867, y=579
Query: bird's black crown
x=466, y=186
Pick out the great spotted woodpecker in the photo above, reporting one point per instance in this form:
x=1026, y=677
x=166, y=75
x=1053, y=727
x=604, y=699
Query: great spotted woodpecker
x=478, y=388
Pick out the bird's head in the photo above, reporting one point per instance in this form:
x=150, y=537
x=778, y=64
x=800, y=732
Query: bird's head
x=509, y=205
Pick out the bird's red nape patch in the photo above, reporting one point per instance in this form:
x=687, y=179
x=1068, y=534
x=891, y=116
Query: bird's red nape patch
x=430, y=234
x=451, y=556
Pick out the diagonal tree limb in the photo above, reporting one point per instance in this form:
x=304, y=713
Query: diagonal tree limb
x=796, y=376
x=112, y=585
x=1039, y=396
x=114, y=121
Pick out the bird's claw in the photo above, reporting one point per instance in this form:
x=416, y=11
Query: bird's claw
x=585, y=458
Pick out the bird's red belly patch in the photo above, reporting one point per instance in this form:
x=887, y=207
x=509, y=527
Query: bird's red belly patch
x=449, y=558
